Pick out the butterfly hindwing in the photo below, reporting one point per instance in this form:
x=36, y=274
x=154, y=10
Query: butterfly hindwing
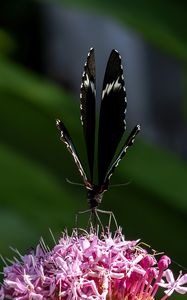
x=129, y=142
x=87, y=107
x=112, y=113
x=65, y=137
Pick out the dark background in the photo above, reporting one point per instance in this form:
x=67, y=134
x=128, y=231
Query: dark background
x=43, y=47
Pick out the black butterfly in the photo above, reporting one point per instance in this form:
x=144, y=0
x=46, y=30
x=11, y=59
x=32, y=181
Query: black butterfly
x=112, y=125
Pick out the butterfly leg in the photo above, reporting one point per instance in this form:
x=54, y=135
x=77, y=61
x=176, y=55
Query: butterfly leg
x=93, y=218
x=111, y=216
x=80, y=213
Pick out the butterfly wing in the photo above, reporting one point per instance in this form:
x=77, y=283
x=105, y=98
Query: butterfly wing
x=65, y=137
x=129, y=142
x=112, y=114
x=87, y=107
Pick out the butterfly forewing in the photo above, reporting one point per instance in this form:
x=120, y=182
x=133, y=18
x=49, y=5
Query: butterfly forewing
x=87, y=107
x=65, y=137
x=129, y=142
x=112, y=114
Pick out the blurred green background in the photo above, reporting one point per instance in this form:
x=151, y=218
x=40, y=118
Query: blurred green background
x=36, y=87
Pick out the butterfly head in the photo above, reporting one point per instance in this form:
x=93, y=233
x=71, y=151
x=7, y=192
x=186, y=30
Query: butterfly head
x=95, y=194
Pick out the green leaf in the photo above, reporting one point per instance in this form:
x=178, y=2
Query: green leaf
x=16, y=80
x=32, y=200
x=160, y=172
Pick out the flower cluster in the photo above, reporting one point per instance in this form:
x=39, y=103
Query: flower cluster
x=90, y=267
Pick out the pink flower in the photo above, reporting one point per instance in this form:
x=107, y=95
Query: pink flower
x=90, y=267
x=174, y=285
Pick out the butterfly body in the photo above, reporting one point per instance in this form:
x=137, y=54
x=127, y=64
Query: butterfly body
x=112, y=125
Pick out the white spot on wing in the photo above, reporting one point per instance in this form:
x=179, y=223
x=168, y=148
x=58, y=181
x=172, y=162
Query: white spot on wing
x=88, y=83
x=115, y=85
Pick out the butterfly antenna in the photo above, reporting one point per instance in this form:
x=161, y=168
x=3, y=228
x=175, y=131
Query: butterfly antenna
x=179, y=265
x=121, y=184
x=74, y=183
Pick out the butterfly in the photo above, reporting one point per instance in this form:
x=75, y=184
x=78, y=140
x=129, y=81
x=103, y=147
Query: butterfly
x=112, y=125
